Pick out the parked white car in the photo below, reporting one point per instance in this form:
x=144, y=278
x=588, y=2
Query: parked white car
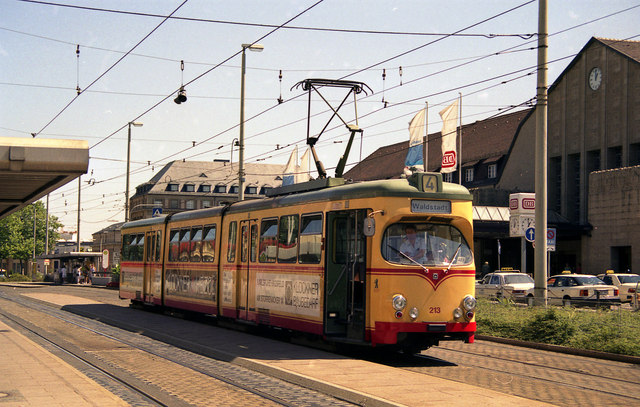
x=627, y=283
x=512, y=285
x=580, y=289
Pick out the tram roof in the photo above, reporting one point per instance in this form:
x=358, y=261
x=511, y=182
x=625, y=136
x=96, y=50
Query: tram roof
x=366, y=189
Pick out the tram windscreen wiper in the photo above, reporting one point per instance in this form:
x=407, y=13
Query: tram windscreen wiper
x=407, y=257
x=453, y=259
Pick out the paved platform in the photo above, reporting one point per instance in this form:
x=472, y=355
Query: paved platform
x=31, y=376
x=358, y=381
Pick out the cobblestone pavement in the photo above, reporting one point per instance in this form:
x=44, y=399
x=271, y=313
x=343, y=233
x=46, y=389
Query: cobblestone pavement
x=529, y=373
x=182, y=376
x=552, y=377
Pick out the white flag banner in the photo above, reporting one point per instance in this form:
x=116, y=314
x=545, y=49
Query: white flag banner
x=449, y=117
x=290, y=170
x=416, y=132
x=302, y=174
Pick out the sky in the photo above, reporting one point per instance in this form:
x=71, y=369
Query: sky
x=129, y=69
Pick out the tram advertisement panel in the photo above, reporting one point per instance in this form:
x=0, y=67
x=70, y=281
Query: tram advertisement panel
x=296, y=294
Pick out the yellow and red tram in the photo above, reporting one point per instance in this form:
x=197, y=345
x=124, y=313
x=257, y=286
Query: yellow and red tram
x=380, y=262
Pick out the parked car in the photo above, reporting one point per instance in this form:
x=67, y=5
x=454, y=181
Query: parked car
x=511, y=284
x=581, y=289
x=627, y=283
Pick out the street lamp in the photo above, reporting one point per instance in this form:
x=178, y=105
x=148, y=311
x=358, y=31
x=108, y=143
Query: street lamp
x=256, y=48
x=126, y=194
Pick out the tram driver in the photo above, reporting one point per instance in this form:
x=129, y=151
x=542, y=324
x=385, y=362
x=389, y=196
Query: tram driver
x=412, y=245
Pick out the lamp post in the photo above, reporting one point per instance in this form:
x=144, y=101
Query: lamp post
x=126, y=194
x=256, y=48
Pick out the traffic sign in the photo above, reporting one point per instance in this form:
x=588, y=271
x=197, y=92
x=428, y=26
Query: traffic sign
x=551, y=239
x=155, y=212
x=530, y=234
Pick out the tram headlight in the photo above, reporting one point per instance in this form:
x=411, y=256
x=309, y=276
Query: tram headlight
x=469, y=303
x=413, y=313
x=399, y=302
x=457, y=313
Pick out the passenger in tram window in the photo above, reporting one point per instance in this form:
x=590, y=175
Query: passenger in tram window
x=412, y=245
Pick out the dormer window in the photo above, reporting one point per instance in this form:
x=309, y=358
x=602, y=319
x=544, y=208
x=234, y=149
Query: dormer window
x=205, y=188
x=220, y=189
x=251, y=190
x=265, y=189
x=172, y=187
x=189, y=188
x=233, y=189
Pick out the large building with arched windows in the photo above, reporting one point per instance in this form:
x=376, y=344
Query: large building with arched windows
x=593, y=139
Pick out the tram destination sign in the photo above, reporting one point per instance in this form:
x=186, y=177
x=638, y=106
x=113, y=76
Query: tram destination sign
x=429, y=206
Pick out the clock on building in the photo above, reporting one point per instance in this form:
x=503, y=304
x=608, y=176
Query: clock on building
x=595, y=78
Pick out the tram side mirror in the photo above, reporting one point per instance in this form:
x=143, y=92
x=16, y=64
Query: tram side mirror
x=369, y=227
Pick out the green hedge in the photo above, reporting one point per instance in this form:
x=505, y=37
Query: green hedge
x=615, y=331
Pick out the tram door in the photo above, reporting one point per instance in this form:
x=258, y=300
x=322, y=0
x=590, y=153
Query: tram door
x=149, y=252
x=345, y=275
x=248, y=251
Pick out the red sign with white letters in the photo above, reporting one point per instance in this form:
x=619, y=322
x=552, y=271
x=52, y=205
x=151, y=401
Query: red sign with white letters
x=449, y=159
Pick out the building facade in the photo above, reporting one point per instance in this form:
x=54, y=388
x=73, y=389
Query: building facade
x=109, y=239
x=593, y=140
x=593, y=125
x=187, y=185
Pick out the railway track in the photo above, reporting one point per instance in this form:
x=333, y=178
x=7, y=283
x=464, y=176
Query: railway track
x=141, y=370
x=533, y=374
x=540, y=375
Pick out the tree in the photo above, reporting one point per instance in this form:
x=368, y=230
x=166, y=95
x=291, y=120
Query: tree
x=16, y=233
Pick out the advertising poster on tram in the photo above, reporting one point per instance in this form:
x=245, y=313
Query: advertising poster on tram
x=297, y=294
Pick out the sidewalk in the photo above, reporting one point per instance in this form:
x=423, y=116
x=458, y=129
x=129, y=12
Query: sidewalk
x=31, y=376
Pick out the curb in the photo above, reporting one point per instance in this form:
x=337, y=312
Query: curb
x=562, y=349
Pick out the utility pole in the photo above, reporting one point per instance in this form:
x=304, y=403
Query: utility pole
x=540, y=264
x=79, y=188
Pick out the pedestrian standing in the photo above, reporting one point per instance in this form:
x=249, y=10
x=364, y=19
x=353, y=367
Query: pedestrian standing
x=63, y=274
x=92, y=270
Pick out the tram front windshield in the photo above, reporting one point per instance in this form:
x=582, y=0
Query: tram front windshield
x=427, y=244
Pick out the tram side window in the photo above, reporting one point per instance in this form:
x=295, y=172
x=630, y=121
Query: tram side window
x=126, y=247
x=209, y=243
x=244, y=249
x=254, y=242
x=268, y=236
x=158, y=245
x=288, y=239
x=140, y=248
x=231, y=244
x=311, y=238
x=195, y=249
x=174, y=244
x=184, y=245
x=136, y=246
x=151, y=241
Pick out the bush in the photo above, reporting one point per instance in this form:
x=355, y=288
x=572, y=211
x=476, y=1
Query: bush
x=614, y=331
x=18, y=277
x=549, y=327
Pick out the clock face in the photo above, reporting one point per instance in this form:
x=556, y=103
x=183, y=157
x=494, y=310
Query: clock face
x=595, y=78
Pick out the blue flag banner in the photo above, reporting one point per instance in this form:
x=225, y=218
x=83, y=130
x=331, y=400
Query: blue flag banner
x=416, y=131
